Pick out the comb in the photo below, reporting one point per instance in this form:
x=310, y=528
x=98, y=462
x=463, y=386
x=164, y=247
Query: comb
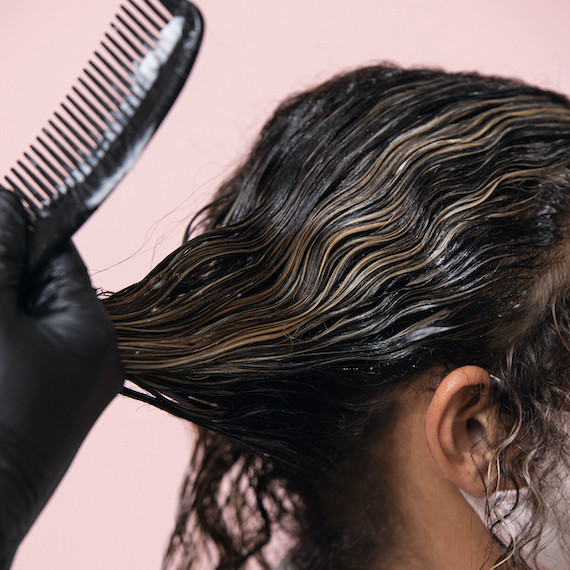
x=102, y=127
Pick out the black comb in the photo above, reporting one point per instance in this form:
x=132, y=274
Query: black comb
x=102, y=127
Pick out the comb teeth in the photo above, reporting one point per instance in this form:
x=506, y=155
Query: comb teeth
x=106, y=96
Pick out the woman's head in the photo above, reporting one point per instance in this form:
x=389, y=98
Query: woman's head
x=387, y=225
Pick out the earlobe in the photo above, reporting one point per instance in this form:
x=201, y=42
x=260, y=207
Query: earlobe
x=460, y=427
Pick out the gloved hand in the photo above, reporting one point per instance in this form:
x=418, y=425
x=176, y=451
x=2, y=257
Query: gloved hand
x=58, y=370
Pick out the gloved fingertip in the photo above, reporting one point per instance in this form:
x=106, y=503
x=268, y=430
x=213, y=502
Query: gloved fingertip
x=11, y=209
x=13, y=238
x=62, y=281
x=68, y=266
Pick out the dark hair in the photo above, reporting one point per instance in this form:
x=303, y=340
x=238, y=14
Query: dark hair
x=386, y=223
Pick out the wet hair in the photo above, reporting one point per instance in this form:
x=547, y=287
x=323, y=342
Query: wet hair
x=386, y=223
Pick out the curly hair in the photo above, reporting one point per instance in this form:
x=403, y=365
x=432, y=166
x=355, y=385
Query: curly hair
x=385, y=223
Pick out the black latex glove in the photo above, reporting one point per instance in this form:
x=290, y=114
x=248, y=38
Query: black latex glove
x=58, y=370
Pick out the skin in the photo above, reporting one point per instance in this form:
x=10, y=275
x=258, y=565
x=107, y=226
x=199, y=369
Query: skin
x=440, y=445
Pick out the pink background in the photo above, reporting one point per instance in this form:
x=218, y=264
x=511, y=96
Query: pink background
x=115, y=508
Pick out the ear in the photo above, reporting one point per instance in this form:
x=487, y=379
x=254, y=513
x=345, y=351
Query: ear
x=459, y=427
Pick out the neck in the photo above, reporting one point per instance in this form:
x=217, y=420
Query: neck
x=404, y=514
x=439, y=530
